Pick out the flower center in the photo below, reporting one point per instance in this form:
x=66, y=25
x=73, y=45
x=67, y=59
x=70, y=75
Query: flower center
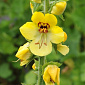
x=43, y=27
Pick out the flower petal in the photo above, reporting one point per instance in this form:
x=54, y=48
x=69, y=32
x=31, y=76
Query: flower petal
x=50, y=19
x=44, y=50
x=33, y=66
x=29, y=30
x=63, y=49
x=46, y=76
x=56, y=34
x=52, y=70
x=58, y=76
x=22, y=63
x=38, y=17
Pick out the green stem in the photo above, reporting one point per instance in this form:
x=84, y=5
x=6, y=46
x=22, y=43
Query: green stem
x=40, y=76
x=42, y=59
x=46, y=6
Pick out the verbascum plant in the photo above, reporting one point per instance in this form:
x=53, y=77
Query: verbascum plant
x=42, y=34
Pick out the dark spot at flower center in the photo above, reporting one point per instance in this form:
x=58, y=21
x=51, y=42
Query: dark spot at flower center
x=43, y=27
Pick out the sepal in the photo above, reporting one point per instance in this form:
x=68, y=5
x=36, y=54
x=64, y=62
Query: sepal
x=30, y=59
x=50, y=63
x=61, y=17
x=35, y=72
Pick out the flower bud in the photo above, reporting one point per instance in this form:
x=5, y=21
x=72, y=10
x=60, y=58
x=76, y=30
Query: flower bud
x=23, y=54
x=59, y=8
x=37, y=1
x=51, y=75
x=33, y=66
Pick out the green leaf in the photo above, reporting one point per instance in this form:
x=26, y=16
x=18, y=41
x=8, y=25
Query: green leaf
x=30, y=78
x=5, y=72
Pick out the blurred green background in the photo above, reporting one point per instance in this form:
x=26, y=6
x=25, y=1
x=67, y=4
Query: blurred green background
x=13, y=14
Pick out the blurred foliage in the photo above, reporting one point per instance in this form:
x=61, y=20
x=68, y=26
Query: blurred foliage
x=13, y=14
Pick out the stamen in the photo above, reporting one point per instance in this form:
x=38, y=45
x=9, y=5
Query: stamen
x=16, y=60
x=45, y=40
x=45, y=44
x=41, y=30
x=39, y=46
x=42, y=42
x=37, y=43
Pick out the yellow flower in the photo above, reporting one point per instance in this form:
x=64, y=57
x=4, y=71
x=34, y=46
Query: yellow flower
x=23, y=54
x=42, y=31
x=37, y=1
x=33, y=66
x=51, y=75
x=59, y=8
